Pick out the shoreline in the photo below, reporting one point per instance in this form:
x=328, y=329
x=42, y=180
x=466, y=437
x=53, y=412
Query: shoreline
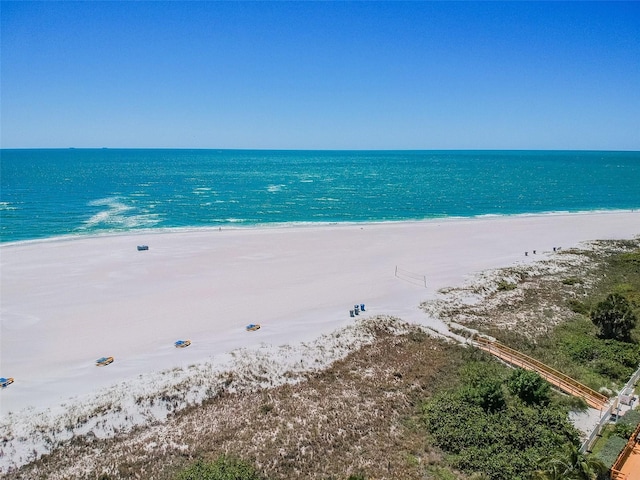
x=295, y=225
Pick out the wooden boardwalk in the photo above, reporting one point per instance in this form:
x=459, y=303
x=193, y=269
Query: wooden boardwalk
x=630, y=468
x=560, y=380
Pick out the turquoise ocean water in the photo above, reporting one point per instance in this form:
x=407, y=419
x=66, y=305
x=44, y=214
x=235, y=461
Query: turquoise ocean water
x=50, y=193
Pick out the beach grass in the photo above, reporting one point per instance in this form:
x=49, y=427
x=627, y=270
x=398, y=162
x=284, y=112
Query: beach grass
x=546, y=315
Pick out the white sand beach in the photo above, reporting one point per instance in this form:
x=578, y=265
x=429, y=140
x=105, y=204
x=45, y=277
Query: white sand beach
x=67, y=302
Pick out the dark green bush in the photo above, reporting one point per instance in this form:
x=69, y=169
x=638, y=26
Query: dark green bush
x=488, y=395
x=483, y=386
x=529, y=386
x=614, y=317
x=505, y=445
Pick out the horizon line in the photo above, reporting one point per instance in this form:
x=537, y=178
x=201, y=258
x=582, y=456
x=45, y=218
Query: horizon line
x=335, y=149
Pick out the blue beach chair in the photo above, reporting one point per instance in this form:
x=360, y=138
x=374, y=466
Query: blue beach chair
x=5, y=382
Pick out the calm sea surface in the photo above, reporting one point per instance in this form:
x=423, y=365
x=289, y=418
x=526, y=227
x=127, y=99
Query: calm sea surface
x=49, y=193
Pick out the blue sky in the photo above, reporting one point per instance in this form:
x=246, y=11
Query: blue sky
x=321, y=75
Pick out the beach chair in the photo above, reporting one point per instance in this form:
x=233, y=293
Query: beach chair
x=252, y=327
x=5, y=382
x=182, y=343
x=104, y=361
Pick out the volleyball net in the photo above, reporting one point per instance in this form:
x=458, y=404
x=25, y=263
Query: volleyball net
x=411, y=277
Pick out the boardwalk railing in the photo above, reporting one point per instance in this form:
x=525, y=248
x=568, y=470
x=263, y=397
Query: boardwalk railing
x=605, y=419
x=617, y=472
x=563, y=382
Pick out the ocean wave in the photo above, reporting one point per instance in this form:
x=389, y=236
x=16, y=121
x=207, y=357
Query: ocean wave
x=275, y=188
x=235, y=220
x=327, y=199
x=116, y=215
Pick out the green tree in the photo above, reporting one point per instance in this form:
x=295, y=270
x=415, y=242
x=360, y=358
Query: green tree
x=529, y=386
x=553, y=472
x=573, y=465
x=224, y=468
x=614, y=317
x=486, y=393
x=585, y=467
x=483, y=385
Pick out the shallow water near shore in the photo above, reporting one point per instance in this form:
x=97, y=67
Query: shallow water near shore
x=51, y=193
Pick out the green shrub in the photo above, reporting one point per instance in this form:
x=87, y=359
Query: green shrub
x=506, y=445
x=440, y=473
x=488, y=395
x=483, y=386
x=631, y=258
x=623, y=289
x=577, y=306
x=609, y=368
x=504, y=286
x=615, y=359
x=610, y=359
x=631, y=418
x=614, y=317
x=224, y=468
x=623, y=430
x=610, y=450
x=630, y=292
x=582, y=349
x=529, y=386
x=627, y=354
